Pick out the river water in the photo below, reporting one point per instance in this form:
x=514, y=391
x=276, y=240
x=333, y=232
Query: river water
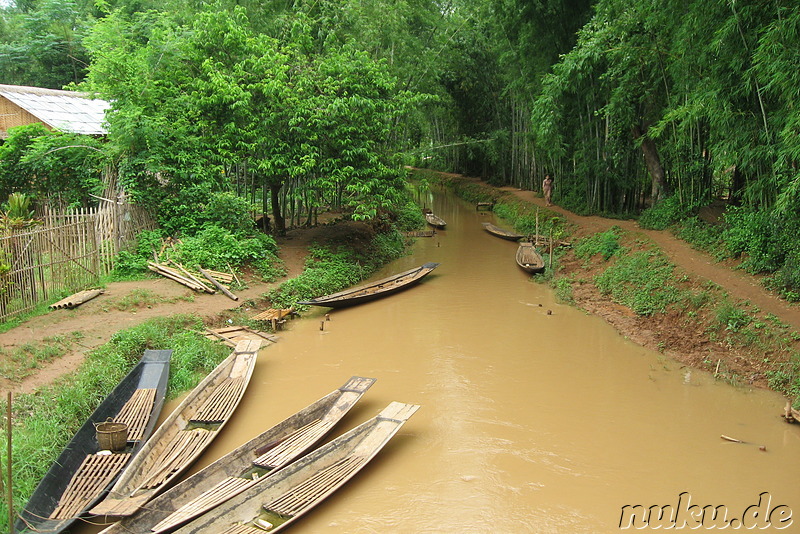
x=535, y=417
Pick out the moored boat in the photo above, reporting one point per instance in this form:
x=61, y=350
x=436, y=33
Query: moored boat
x=502, y=233
x=84, y=471
x=528, y=258
x=374, y=290
x=284, y=497
x=183, y=435
x=246, y=465
x=435, y=221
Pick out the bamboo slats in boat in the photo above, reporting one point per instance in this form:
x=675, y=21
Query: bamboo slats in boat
x=184, y=435
x=248, y=465
x=278, y=500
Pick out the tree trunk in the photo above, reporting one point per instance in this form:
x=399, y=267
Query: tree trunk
x=277, y=216
x=654, y=167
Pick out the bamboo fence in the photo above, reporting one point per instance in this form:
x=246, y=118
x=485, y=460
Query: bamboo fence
x=67, y=253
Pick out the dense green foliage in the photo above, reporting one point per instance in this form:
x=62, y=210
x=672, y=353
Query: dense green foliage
x=634, y=107
x=71, y=399
x=330, y=269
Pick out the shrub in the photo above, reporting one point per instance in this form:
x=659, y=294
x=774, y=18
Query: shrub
x=640, y=281
x=664, y=214
x=605, y=243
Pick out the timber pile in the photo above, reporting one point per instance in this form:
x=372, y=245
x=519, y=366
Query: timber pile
x=276, y=317
x=194, y=280
x=77, y=299
x=421, y=233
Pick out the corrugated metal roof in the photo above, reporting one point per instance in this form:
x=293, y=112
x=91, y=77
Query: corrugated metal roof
x=66, y=111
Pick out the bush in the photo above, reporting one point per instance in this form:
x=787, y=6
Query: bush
x=605, y=243
x=409, y=217
x=217, y=248
x=640, y=281
x=664, y=214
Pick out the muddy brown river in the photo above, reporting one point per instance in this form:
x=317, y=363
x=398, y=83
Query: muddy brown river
x=535, y=417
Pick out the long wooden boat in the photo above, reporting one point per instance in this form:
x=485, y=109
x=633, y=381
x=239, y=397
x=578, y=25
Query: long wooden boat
x=528, y=258
x=243, y=467
x=183, y=435
x=374, y=290
x=501, y=232
x=83, y=472
x=281, y=499
x=435, y=221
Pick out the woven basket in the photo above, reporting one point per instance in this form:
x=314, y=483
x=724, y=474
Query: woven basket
x=112, y=436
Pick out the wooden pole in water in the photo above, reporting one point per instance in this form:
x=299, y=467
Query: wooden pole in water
x=8, y=467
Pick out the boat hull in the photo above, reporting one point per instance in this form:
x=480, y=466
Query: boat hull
x=184, y=434
x=375, y=290
x=294, y=490
x=151, y=373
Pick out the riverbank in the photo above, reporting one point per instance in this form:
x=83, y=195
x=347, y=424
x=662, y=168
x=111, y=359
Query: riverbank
x=762, y=353
x=727, y=324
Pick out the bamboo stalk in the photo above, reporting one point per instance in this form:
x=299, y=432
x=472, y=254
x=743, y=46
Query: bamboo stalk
x=217, y=284
x=193, y=277
x=172, y=275
x=8, y=467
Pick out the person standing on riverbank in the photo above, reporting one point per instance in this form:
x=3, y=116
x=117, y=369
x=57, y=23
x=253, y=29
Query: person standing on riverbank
x=547, y=189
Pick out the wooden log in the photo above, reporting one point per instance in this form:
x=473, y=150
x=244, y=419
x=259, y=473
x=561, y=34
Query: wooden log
x=217, y=284
x=172, y=275
x=193, y=277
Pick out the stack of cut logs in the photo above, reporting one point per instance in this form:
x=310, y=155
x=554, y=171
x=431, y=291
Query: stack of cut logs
x=194, y=281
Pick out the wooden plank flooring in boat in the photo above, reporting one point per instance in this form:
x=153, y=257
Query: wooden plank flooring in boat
x=136, y=412
x=273, y=503
x=298, y=498
x=96, y=471
x=251, y=463
x=184, y=435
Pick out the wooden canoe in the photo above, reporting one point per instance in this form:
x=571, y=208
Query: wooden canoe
x=435, y=221
x=284, y=497
x=83, y=473
x=374, y=290
x=502, y=233
x=183, y=435
x=243, y=467
x=528, y=258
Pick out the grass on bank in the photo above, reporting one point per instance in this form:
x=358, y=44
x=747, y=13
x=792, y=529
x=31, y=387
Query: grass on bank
x=44, y=422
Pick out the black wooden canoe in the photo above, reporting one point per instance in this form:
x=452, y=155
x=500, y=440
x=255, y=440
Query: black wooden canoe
x=279, y=500
x=245, y=466
x=83, y=473
x=502, y=233
x=374, y=290
x=183, y=435
x=528, y=258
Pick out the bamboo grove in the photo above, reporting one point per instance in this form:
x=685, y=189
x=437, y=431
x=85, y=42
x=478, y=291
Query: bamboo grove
x=632, y=105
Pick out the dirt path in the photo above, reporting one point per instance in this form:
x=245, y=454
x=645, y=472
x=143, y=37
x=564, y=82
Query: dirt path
x=97, y=320
x=740, y=285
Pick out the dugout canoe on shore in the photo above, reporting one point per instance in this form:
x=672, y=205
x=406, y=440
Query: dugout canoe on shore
x=290, y=493
x=183, y=435
x=501, y=232
x=85, y=470
x=246, y=465
x=374, y=290
x=528, y=258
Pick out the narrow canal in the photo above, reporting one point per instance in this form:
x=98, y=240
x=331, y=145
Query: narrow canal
x=535, y=416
